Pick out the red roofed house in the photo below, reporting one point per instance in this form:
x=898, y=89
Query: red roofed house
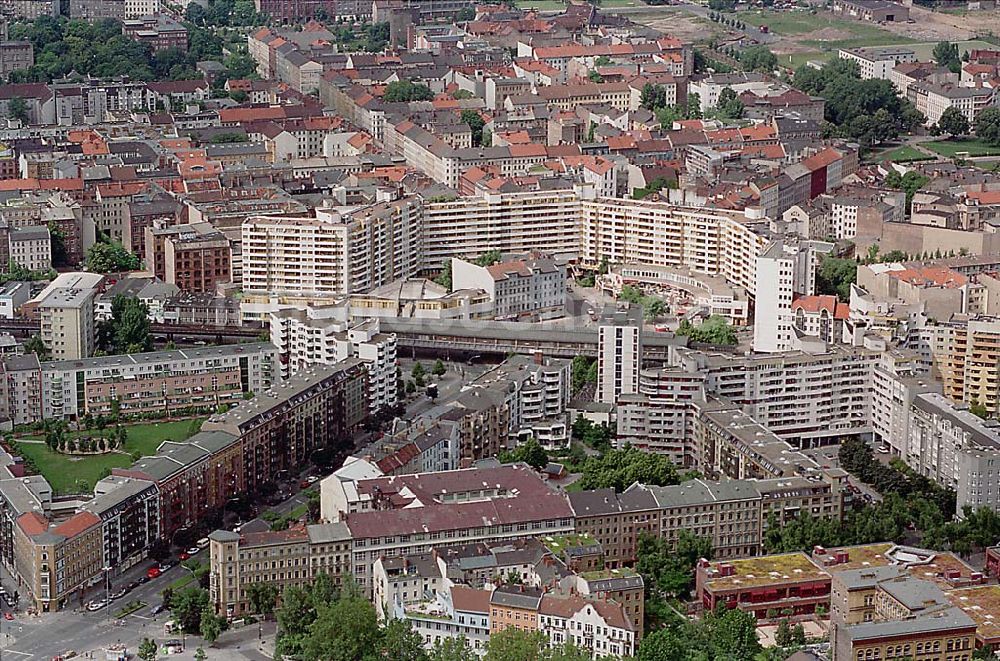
x=600, y=627
x=531, y=288
x=820, y=316
x=54, y=562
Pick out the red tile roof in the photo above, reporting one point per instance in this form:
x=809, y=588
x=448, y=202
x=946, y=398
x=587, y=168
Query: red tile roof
x=822, y=302
x=76, y=524
x=32, y=523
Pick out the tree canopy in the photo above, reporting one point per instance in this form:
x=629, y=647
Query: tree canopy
x=987, y=126
x=128, y=329
x=953, y=122
x=405, y=91
x=618, y=469
x=835, y=277
x=105, y=257
x=758, y=58
x=946, y=55
x=714, y=330
x=868, y=111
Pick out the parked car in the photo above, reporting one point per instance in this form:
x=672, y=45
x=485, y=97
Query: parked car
x=96, y=605
x=118, y=594
x=183, y=556
x=194, y=550
x=153, y=572
x=157, y=609
x=8, y=616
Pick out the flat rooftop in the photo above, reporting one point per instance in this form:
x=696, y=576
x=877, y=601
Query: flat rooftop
x=767, y=570
x=982, y=604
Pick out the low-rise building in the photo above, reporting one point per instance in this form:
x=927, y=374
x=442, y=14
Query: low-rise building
x=878, y=62
x=529, y=288
x=770, y=586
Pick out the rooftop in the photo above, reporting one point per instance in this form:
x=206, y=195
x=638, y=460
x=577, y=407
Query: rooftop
x=766, y=570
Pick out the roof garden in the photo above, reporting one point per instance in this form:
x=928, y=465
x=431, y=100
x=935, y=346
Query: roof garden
x=766, y=570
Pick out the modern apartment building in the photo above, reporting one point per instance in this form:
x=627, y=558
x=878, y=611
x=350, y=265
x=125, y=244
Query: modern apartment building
x=332, y=254
x=323, y=335
x=538, y=392
x=513, y=223
x=784, y=270
x=619, y=353
x=66, y=311
x=158, y=382
x=802, y=397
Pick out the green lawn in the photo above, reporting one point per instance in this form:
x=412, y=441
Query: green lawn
x=72, y=474
x=69, y=474
x=949, y=148
x=787, y=23
x=541, y=5
x=902, y=154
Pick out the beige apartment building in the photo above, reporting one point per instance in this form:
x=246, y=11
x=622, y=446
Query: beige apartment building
x=332, y=254
x=66, y=311
x=286, y=558
x=513, y=223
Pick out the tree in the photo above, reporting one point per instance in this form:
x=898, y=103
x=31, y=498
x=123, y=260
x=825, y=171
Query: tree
x=401, y=643
x=868, y=111
x=17, y=109
x=488, y=258
x=343, y=631
x=418, y=372
x=404, y=91
x=953, y=122
x=187, y=607
x=946, y=55
x=799, y=634
x=438, y=369
x=111, y=258
x=57, y=239
x=734, y=634
x=714, y=330
x=147, y=650
x=729, y=105
x=211, y=625
x=452, y=648
x=262, y=597
x=475, y=123
x=444, y=279
x=910, y=183
x=35, y=345
x=580, y=374
x=128, y=329
x=653, y=97
x=487, y=139
x=835, y=276
x=199, y=654
x=512, y=644
x=783, y=635
x=758, y=58
x=322, y=592
x=529, y=452
x=987, y=126
x=664, y=644
x=618, y=469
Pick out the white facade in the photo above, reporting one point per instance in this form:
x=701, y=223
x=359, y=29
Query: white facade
x=619, y=354
x=332, y=254
x=878, y=62
x=582, y=623
x=530, y=287
x=323, y=335
x=31, y=248
x=783, y=270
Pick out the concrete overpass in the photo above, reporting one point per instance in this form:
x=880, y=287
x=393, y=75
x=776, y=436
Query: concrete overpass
x=503, y=337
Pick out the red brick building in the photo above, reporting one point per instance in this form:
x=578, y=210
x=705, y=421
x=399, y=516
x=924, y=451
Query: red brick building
x=160, y=32
x=769, y=586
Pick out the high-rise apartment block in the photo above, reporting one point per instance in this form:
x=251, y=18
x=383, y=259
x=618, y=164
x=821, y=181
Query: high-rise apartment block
x=619, y=353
